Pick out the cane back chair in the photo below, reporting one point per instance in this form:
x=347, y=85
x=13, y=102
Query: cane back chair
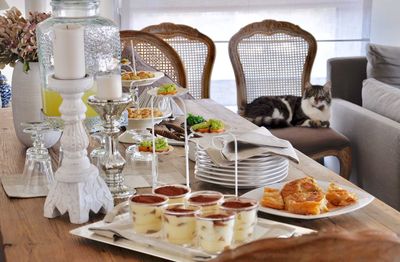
x=273, y=58
x=155, y=52
x=196, y=50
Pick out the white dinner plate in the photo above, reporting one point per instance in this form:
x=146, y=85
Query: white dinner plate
x=243, y=180
x=363, y=199
x=179, y=91
x=220, y=172
x=143, y=82
x=240, y=185
x=242, y=168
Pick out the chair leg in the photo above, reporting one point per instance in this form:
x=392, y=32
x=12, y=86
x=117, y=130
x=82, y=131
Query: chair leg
x=344, y=157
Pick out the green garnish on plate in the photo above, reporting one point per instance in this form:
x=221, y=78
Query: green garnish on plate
x=166, y=89
x=216, y=124
x=160, y=142
x=192, y=120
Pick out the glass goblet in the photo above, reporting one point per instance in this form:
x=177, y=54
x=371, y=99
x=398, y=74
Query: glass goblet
x=38, y=170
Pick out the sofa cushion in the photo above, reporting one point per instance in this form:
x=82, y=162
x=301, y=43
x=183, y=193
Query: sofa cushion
x=384, y=64
x=381, y=98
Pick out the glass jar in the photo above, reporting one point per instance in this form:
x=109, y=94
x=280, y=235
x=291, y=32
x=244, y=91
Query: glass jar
x=102, y=46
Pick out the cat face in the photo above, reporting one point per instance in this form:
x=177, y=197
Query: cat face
x=318, y=96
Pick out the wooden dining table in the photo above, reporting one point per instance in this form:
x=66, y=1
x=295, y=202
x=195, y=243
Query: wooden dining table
x=26, y=235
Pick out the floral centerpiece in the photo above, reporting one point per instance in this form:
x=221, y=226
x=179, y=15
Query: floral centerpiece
x=18, y=38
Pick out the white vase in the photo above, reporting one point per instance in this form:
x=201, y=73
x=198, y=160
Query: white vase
x=27, y=102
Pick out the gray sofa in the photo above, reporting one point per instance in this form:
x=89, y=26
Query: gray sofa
x=373, y=132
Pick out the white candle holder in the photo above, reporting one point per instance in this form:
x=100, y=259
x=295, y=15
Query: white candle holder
x=78, y=188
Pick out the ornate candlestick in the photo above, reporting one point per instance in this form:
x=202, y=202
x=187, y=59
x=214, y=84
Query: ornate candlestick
x=112, y=162
x=78, y=187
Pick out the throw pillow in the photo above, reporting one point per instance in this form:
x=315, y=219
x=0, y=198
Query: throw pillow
x=384, y=64
x=381, y=98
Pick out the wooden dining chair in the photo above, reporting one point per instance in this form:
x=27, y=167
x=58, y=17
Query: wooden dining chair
x=155, y=52
x=272, y=58
x=196, y=50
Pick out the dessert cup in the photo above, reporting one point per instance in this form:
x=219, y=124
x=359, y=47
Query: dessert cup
x=177, y=194
x=179, y=224
x=207, y=200
x=146, y=212
x=245, y=210
x=214, y=230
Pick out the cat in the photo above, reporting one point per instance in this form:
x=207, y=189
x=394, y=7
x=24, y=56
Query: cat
x=313, y=109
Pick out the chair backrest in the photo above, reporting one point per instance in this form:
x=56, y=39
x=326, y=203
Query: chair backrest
x=155, y=52
x=197, y=52
x=271, y=58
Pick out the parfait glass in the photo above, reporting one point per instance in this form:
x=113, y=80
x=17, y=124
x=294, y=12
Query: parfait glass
x=38, y=170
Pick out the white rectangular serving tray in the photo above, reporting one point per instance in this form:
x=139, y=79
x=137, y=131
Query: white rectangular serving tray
x=264, y=229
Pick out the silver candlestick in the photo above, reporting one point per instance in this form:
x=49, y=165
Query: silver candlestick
x=112, y=162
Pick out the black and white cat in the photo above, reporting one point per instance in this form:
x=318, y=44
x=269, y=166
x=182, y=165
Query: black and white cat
x=313, y=109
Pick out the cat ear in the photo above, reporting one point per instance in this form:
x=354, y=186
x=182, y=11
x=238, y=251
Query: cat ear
x=307, y=86
x=327, y=86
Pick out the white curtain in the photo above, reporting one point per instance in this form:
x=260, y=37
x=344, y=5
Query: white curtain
x=341, y=27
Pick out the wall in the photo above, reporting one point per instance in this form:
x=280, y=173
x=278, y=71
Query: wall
x=385, y=21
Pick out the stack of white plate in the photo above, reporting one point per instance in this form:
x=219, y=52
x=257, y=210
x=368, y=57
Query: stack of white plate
x=256, y=171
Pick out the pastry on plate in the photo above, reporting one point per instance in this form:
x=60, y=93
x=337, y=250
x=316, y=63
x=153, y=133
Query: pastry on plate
x=338, y=196
x=304, y=196
x=272, y=198
x=210, y=126
x=167, y=89
x=160, y=142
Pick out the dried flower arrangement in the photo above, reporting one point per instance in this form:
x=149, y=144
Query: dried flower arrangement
x=18, y=37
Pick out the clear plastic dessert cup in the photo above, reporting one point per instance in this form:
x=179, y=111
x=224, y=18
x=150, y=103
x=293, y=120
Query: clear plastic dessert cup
x=245, y=210
x=146, y=212
x=207, y=200
x=179, y=224
x=176, y=193
x=214, y=230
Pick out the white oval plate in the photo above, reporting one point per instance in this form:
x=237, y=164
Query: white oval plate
x=179, y=91
x=232, y=185
x=143, y=82
x=363, y=199
x=245, y=173
x=264, y=164
x=244, y=180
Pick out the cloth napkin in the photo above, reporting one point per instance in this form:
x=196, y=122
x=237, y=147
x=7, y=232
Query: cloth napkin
x=254, y=143
x=14, y=186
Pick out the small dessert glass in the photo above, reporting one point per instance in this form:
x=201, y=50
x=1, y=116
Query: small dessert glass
x=146, y=212
x=214, y=230
x=176, y=193
x=179, y=224
x=206, y=200
x=245, y=210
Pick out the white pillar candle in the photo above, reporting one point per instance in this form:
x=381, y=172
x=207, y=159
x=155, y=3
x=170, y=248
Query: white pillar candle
x=69, y=51
x=109, y=87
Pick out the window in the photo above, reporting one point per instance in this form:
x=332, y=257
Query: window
x=341, y=27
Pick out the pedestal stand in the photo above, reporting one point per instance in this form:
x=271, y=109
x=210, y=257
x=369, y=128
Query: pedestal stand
x=78, y=187
x=112, y=162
